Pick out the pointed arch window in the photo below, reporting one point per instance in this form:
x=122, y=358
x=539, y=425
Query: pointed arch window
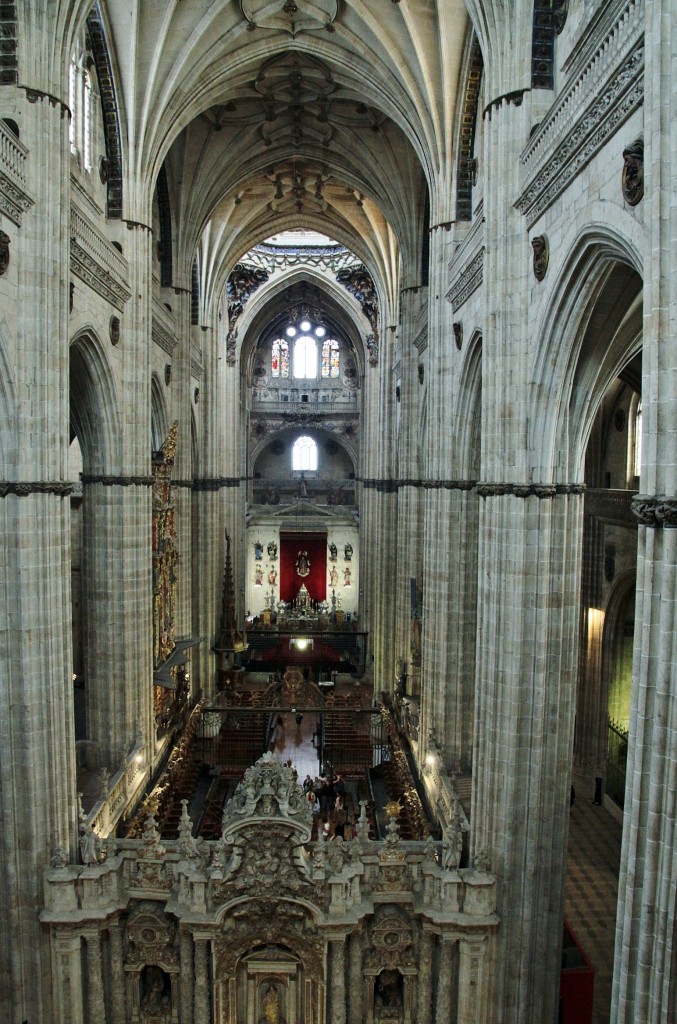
x=330, y=358
x=87, y=121
x=304, y=454
x=280, y=358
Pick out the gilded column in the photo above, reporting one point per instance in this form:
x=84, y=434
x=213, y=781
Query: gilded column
x=96, y=1007
x=186, y=967
x=338, y=980
x=425, y=978
x=201, y=993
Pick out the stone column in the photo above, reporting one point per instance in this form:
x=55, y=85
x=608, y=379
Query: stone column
x=424, y=984
x=186, y=974
x=37, y=772
x=471, y=981
x=644, y=985
x=202, y=1010
x=356, y=988
x=337, y=962
x=182, y=404
x=96, y=1006
x=118, y=1006
x=444, y=986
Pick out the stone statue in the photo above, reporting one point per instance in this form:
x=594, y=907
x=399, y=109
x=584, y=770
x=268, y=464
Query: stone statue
x=389, y=990
x=452, y=846
x=155, y=1003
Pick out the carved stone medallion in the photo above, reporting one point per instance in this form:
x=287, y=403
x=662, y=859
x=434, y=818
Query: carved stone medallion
x=541, y=255
x=632, y=181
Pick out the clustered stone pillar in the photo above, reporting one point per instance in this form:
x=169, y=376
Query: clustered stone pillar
x=67, y=976
x=645, y=975
x=470, y=980
x=338, y=980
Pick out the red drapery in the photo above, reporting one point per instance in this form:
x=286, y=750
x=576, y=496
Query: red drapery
x=315, y=544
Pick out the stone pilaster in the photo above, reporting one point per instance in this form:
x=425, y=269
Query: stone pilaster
x=337, y=967
x=181, y=405
x=356, y=988
x=118, y=1004
x=646, y=952
x=443, y=1001
x=67, y=976
x=96, y=1006
x=471, y=989
x=186, y=955
x=201, y=1000
x=424, y=987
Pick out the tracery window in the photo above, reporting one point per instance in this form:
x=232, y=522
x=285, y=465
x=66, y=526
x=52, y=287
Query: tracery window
x=280, y=358
x=304, y=454
x=330, y=358
x=297, y=354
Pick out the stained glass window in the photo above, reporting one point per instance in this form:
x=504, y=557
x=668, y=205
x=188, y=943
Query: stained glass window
x=280, y=359
x=330, y=358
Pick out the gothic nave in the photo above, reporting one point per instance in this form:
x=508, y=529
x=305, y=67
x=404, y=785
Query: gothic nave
x=337, y=430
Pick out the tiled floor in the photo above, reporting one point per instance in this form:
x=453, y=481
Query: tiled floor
x=592, y=892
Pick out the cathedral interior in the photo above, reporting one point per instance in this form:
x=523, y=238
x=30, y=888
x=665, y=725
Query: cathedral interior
x=338, y=406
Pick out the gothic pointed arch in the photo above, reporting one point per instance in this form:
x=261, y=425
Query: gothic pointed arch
x=94, y=408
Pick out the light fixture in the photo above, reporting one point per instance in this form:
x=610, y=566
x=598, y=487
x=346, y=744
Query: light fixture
x=305, y=325
x=320, y=331
x=290, y=332
x=139, y=758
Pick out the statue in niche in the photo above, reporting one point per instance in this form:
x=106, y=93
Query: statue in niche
x=156, y=1003
x=272, y=496
x=388, y=991
x=347, y=577
x=258, y=576
x=302, y=564
x=333, y=577
x=348, y=552
x=258, y=550
x=270, y=1004
x=332, y=552
x=272, y=576
x=272, y=550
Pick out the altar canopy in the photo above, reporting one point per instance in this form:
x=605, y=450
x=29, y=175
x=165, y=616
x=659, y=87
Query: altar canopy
x=303, y=560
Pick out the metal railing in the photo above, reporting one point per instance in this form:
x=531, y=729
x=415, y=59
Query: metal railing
x=616, y=765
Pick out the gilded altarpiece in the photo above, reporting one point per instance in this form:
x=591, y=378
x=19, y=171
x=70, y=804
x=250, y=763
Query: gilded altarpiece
x=165, y=567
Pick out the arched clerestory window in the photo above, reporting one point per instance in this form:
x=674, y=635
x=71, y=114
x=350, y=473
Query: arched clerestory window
x=304, y=454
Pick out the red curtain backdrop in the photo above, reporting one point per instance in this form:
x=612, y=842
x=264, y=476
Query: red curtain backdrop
x=316, y=582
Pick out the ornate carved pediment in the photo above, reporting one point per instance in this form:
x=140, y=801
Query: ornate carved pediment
x=268, y=792
x=391, y=941
x=151, y=937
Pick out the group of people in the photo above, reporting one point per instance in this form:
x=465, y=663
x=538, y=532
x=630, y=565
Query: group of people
x=326, y=795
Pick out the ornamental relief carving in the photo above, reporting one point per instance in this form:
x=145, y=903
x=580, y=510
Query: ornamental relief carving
x=279, y=925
